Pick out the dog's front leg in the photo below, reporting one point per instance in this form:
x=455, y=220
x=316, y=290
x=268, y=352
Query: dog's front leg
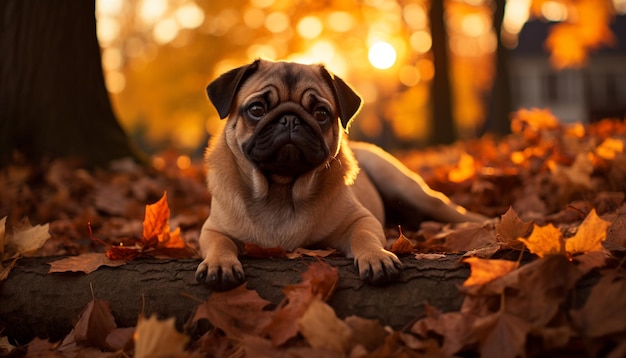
x=221, y=269
x=376, y=265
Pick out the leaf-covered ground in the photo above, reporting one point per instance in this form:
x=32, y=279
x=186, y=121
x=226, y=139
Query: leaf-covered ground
x=556, y=191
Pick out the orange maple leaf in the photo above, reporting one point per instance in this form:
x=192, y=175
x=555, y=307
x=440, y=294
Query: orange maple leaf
x=157, y=237
x=486, y=270
x=548, y=240
x=589, y=236
x=155, y=222
x=545, y=240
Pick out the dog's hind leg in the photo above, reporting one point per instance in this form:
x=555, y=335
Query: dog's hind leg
x=406, y=190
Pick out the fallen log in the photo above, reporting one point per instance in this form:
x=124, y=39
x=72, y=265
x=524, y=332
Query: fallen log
x=34, y=303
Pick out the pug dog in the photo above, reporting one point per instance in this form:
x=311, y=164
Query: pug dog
x=282, y=174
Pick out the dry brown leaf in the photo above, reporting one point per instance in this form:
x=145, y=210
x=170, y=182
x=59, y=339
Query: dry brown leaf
x=605, y=309
x=94, y=325
x=29, y=239
x=539, y=290
x=368, y=333
x=510, y=227
x=322, y=329
x=301, y=252
x=456, y=328
x=318, y=281
x=469, y=236
x=484, y=271
x=87, y=263
x=402, y=246
x=119, y=338
x=502, y=335
x=154, y=338
x=589, y=236
x=236, y=312
x=545, y=240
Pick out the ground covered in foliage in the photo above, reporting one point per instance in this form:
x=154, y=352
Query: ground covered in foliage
x=555, y=191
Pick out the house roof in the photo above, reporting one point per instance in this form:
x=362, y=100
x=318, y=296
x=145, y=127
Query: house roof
x=533, y=35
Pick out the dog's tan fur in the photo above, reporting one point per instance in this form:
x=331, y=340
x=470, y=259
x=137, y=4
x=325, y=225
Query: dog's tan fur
x=332, y=205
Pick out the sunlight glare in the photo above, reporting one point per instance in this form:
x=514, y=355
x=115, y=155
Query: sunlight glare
x=190, y=16
x=415, y=16
x=108, y=29
x=554, y=11
x=421, y=41
x=310, y=27
x=254, y=18
x=150, y=11
x=382, y=55
x=340, y=21
x=165, y=31
x=109, y=7
x=474, y=25
x=277, y=22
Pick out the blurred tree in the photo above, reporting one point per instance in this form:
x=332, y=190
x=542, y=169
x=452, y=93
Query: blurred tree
x=443, y=128
x=499, y=105
x=53, y=99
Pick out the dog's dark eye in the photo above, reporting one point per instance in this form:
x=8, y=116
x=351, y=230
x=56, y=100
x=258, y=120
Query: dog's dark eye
x=257, y=110
x=321, y=114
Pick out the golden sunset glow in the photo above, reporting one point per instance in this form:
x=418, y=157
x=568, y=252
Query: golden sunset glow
x=159, y=55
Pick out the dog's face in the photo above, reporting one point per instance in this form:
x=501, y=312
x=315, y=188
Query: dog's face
x=284, y=118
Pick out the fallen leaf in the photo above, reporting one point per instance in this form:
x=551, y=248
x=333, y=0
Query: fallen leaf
x=29, y=239
x=589, y=236
x=539, y=291
x=236, y=312
x=154, y=338
x=484, y=271
x=119, y=338
x=94, y=324
x=510, y=227
x=322, y=329
x=419, y=256
x=155, y=222
x=456, y=328
x=545, y=240
x=502, y=335
x=469, y=236
x=319, y=281
x=87, y=263
x=402, y=246
x=605, y=309
x=301, y=252
x=368, y=333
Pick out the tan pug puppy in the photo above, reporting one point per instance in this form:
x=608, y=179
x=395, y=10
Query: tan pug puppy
x=282, y=174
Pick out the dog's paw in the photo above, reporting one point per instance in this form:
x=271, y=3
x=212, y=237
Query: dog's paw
x=220, y=277
x=378, y=267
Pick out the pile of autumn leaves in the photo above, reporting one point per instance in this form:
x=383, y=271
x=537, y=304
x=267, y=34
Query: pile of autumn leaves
x=561, y=189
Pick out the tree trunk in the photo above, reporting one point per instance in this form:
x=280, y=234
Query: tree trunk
x=443, y=128
x=53, y=100
x=500, y=99
x=35, y=303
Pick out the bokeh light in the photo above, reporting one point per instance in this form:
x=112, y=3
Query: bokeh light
x=382, y=55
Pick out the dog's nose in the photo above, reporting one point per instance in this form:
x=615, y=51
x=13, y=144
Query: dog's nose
x=290, y=121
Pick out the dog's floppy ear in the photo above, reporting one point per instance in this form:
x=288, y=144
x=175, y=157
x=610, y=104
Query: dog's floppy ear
x=222, y=90
x=347, y=99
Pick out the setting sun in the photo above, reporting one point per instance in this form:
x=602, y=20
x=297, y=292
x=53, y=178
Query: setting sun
x=382, y=55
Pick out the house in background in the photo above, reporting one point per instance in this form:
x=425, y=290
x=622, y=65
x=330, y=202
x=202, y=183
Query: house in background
x=591, y=93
